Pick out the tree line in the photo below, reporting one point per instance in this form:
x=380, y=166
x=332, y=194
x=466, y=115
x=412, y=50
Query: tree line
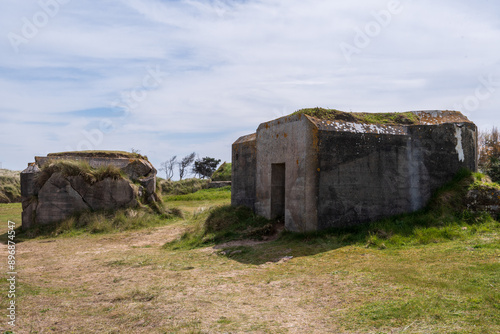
x=201, y=167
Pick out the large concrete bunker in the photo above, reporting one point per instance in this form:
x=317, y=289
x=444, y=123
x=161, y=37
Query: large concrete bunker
x=321, y=168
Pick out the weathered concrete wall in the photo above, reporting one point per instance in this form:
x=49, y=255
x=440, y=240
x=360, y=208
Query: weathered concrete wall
x=243, y=173
x=291, y=141
x=372, y=175
x=362, y=177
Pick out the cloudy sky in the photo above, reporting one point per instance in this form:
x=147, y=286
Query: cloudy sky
x=168, y=77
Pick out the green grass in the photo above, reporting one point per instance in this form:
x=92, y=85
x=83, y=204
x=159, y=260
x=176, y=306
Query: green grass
x=223, y=173
x=483, y=182
x=12, y=212
x=406, y=118
x=202, y=195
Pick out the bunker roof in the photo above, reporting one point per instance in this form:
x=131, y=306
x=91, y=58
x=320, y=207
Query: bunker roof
x=97, y=154
x=390, y=123
x=429, y=117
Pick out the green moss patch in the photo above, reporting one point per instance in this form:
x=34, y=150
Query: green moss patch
x=404, y=118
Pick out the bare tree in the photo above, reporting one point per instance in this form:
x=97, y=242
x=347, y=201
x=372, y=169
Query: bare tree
x=168, y=167
x=185, y=163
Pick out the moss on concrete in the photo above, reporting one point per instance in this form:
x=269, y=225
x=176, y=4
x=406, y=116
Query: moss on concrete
x=404, y=118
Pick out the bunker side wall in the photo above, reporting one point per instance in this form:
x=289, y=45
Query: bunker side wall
x=446, y=149
x=243, y=174
x=363, y=177
x=367, y=176
x=293, y=142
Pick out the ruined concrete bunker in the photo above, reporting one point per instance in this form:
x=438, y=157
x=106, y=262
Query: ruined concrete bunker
x=59, y=195
x=321, y=168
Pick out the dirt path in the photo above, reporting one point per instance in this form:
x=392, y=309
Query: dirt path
x=126, y=283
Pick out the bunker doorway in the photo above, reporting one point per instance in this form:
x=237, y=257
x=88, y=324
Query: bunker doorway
x=278, y=172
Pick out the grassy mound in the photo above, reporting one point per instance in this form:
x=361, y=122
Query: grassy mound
x=10, y=186
x=78, y=168
x=222, y=224
x=223, y=173
x=405, y=118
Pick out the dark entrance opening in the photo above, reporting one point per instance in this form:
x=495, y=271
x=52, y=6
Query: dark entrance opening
x=277, y=190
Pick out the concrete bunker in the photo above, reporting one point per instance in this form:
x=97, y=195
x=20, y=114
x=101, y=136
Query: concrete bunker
x=56, y=186
x=322, y=168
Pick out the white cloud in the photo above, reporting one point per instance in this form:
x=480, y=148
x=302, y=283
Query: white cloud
x=230, y=65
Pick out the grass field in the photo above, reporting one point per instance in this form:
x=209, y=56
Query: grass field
x=440, y=279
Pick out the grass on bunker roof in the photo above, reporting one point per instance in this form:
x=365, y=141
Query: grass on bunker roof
x=99, y=154
x=404, y=118
x=311, y=283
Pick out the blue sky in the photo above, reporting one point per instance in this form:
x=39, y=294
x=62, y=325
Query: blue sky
x=171, y=77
